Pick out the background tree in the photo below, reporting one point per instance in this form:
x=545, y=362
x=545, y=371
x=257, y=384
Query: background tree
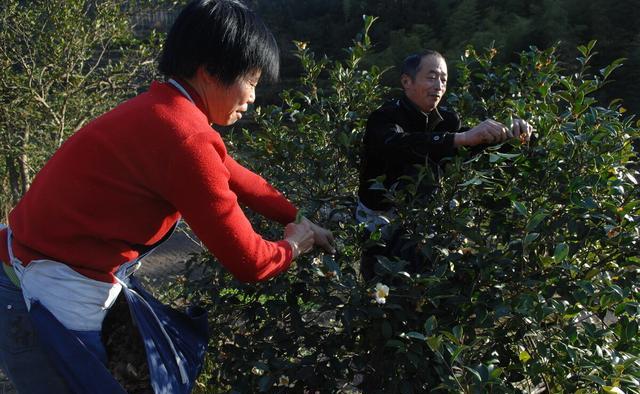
x=449, y=25
x=62, y=63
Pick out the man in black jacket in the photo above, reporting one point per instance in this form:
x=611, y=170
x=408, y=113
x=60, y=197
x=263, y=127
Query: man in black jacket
x=412, y=130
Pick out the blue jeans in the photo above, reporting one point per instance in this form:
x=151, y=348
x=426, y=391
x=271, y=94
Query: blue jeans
x=22, y=358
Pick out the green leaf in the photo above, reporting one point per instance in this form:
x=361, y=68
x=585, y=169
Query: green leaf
x=524, y=356
x=368, y=22
x=503, y=156
x=596, y=379
x=450, y=336
x=631, y=330
x=475, y=373
x=572, y=333
x=589, y=203
x=617, y=290
x=435, y=343
x=396, y=343
x=529, y=238
x=611, y=67
x=495, y=373
x=494, y=158
x=566, y=96
x=458, y=332
x=415, y=335
x=535, y=221
x=522, y=210
x=561, y=252
x=430, y=325
x=632, y=308
x=583, y=50
x=456, y=353
x=631, y=380
x=474, y=181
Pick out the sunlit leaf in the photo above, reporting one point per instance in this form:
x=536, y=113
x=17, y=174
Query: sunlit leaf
x=524, y=356
x=561, y=252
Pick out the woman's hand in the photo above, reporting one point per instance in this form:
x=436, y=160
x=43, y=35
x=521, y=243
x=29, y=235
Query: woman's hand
x=322, y=237
x=300, y=237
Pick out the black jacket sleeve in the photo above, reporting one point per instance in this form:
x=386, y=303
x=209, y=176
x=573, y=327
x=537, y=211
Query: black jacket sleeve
x=386, y=136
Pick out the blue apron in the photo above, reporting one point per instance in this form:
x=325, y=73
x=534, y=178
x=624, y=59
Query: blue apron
x=175, y=342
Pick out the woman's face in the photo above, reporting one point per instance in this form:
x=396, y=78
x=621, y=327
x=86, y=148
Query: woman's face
x=225, y=104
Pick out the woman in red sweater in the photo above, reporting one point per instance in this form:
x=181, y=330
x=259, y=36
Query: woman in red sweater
x=121, y=183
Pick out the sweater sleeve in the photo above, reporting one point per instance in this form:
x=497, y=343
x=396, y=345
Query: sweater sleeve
x=256, y=193
x=198, y=186
x=385, y=137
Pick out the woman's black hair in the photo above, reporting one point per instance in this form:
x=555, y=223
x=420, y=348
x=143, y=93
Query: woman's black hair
x=411, y=64
x=225, y=36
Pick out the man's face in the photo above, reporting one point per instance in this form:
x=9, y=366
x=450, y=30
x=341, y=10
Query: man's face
x=428, y=87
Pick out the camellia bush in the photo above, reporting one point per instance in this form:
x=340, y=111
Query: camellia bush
x=528, y=274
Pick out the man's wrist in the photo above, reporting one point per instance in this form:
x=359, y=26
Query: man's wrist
x=460, y=139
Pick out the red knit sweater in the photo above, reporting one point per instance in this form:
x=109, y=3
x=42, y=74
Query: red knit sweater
x=125, y=178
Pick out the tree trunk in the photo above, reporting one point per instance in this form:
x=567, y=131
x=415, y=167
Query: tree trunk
x=14, y=179
x=18, y=170
x=24, y=162
x=25, y=177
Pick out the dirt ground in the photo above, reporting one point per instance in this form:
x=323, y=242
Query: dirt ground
x=161, y=266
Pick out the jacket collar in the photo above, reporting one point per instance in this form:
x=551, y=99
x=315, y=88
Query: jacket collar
x=420, y=120
x=194, y=95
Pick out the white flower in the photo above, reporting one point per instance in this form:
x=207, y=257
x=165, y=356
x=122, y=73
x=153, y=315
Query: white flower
x=284, y=380
x=382, y=292
x=257, y=371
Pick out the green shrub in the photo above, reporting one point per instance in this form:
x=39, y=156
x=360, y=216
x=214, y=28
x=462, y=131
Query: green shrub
x=530, y=274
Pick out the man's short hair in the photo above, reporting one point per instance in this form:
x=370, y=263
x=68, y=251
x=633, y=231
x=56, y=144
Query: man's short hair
x=225, y=37
x=411, y=64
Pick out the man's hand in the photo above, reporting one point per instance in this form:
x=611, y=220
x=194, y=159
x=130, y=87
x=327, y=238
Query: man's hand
x=522, y=130
x=487, y=132
x=492, y=132
x=321, y=236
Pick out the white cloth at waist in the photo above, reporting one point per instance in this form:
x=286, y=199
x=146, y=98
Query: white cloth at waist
x=373, y=219
x=78, y=302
